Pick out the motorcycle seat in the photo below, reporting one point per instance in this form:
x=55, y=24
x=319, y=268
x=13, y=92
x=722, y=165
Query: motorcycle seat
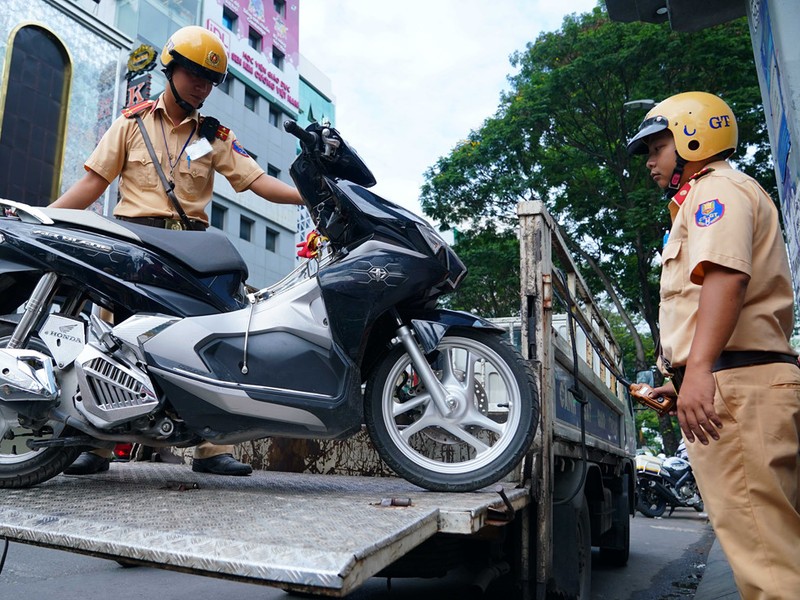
x=205, y=252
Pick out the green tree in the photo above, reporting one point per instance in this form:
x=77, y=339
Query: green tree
x=492, y=287
x=559, y=136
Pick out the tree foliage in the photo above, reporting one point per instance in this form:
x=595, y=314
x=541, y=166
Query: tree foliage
x=492, y=287
x=559, y=136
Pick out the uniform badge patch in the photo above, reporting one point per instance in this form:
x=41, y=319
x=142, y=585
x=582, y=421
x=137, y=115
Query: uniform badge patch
x=709, y=213
x=239, y=149
x=222, y=133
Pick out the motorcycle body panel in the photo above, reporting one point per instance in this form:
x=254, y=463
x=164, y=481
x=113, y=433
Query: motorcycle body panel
x=142, y=268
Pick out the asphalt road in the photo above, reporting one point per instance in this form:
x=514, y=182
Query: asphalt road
x=666, y=562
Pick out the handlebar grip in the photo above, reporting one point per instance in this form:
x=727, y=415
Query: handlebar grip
x=306, y=137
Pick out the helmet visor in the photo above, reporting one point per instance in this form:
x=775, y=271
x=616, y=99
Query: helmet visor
x=637, y=145
x=213, y=76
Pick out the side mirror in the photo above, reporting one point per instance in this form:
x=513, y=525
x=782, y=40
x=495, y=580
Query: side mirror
x=651, y=377
x=646, y=377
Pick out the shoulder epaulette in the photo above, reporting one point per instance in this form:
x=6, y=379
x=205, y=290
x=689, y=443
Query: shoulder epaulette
x=131, y=111
x=681, y=194
x=223, y=133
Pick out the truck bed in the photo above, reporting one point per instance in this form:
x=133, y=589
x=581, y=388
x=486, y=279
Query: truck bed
x=320, y=533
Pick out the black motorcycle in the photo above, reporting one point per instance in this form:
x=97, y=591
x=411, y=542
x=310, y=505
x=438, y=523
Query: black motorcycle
x=666, y=482
x=353, y=337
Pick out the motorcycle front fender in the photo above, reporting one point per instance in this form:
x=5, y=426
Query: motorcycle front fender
x=432, y=326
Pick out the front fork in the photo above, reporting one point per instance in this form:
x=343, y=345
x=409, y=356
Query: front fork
x=35, y=307
x=441, y=398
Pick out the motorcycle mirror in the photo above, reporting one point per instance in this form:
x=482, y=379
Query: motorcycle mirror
x=646, y=377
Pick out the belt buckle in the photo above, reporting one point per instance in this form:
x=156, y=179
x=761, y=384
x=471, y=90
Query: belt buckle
x=173, y=224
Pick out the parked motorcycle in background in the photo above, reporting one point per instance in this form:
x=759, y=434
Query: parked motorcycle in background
x=663, y=482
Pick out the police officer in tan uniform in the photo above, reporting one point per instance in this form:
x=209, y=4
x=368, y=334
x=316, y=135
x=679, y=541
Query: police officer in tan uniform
x=726, y=316
x=190, y=148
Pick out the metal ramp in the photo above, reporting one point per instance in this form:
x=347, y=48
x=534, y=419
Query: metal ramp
x=319, y=533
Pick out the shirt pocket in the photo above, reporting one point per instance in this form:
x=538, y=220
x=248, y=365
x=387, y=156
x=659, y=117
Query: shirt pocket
x=192, y=177
x=673, y=276
x=140, y=170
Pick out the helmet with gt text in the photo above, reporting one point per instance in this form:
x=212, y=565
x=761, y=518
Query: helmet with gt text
x=702, y=124
x=198, y=51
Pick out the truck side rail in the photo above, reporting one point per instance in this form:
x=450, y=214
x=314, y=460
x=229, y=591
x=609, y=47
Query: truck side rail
x=541, y=281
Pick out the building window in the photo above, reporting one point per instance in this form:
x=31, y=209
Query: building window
x=229, y=19
x=225, y=86
x=277, y=58
x=250, y=98
x=274, y=116
x=252, y=154
x=273, y=171
x=272, y=240
x=33, y=112
x=280, y=8
x=218, y=215
x=246, y=228
x=254, y=40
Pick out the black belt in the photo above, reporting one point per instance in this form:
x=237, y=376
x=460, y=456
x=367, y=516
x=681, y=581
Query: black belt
x=733, y=359
x=162, y=223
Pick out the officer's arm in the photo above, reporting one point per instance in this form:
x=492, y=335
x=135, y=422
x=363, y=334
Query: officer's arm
x=721, y=300
x=83, y=193
x=275, y=190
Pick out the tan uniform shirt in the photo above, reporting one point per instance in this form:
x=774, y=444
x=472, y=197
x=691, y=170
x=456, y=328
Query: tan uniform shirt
x=122, y=153
x=727, y=219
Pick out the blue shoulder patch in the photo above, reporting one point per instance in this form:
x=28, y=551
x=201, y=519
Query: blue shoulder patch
x=709, y=213
x=239, y=149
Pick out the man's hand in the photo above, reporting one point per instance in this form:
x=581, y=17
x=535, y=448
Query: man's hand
x=696, y=412
x=721, y=300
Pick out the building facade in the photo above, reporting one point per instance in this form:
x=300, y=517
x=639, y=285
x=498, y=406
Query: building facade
x=61, y=65
x=91, y=43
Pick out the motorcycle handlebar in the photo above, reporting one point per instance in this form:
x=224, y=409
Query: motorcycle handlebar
x=306, y=137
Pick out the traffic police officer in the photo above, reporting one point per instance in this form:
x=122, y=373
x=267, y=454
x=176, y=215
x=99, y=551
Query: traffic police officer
x=726, y=316
x=190, y=148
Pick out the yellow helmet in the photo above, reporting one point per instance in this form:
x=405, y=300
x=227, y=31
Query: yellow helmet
x=702, y=124
x=198, y=51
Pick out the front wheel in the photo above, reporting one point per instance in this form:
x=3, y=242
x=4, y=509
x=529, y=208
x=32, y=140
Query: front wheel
x=491, y=420
x=648, y=502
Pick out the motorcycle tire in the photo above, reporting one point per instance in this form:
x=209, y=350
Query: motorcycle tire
x=649, y=503
x=19, y=466
x=486, y=434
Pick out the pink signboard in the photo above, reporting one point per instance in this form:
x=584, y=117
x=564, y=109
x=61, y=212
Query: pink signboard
x=261, y=37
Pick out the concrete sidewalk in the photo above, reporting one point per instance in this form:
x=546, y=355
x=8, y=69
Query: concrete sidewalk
x=717, y=582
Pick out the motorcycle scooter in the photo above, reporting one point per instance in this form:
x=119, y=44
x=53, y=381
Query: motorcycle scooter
x=356, y=337
x=662, y=482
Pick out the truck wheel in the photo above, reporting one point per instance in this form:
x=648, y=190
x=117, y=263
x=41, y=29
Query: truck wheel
x=584, y=553
x=615, y=545
x=21, y=467
x=572, y=553
x=489, y=429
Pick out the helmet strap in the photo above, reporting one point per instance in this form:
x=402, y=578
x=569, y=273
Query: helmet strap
x=180, y=101
x=675, y=179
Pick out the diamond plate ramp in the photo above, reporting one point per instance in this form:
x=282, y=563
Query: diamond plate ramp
x=308, y=532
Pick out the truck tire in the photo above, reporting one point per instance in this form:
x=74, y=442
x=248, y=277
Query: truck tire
x=572, y=552
x=491, y=425
x=19, y=466
x=615, y=545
